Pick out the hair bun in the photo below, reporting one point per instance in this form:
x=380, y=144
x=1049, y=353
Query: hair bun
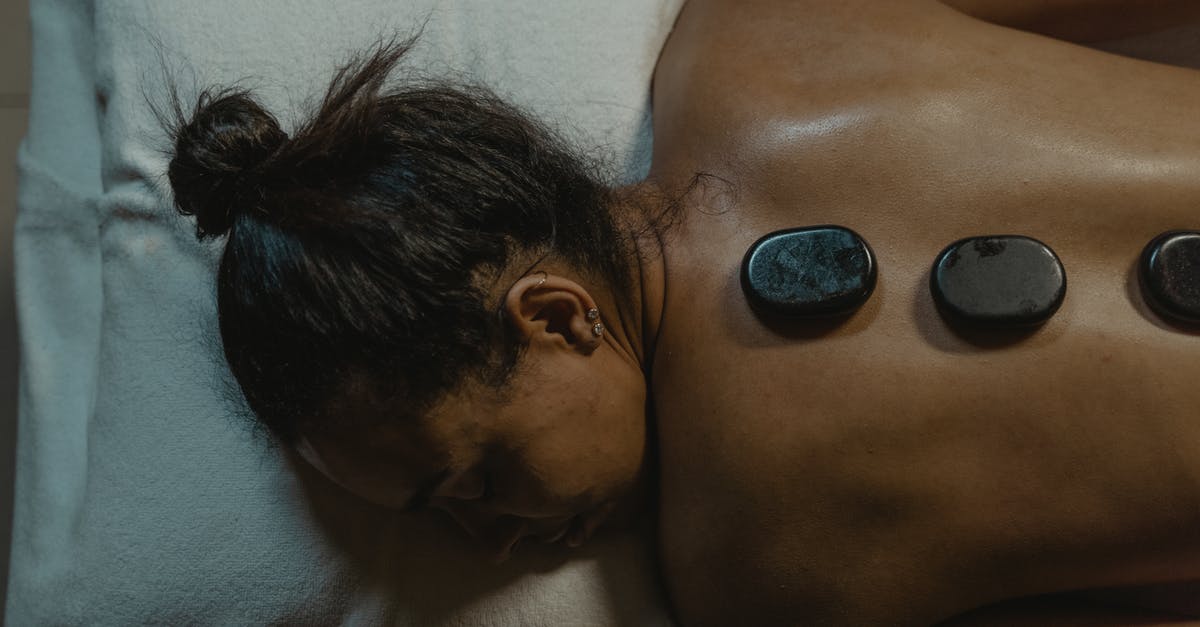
x=218, y=159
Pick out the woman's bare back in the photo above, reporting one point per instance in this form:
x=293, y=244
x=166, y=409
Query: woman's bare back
x=886, y=469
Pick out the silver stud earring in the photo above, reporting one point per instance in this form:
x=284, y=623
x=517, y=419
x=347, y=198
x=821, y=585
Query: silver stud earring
x=593, y=314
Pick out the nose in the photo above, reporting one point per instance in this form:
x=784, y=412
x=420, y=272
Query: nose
x=498, y=535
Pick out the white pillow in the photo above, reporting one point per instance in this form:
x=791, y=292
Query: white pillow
x=141, y=498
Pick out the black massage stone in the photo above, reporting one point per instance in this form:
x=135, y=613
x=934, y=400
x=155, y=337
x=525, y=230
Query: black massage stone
x=998, y=281
x=811, y=271
x=1169, y=272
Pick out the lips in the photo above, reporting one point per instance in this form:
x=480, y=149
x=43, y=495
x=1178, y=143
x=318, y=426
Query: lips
x=573, y=532
x=503, y=545
x=581, y=530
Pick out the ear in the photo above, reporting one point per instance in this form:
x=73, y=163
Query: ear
x=551, y=310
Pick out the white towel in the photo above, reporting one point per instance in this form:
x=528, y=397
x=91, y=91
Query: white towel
x=140, y=498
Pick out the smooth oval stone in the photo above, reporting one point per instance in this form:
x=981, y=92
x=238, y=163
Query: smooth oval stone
x=998, y=281
x=1170, y=275
x=811, y=271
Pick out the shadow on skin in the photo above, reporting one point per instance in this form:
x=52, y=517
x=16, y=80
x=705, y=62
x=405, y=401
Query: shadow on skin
x=625, y=589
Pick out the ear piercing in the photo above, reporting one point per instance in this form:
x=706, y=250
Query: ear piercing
x=593, y=315
x=808, y=272
x=993, y=281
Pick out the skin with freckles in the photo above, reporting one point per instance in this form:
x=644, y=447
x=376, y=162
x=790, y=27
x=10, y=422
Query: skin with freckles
x=885, y=468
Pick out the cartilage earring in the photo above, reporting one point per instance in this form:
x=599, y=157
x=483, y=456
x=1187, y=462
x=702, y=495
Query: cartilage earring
x=593, y=314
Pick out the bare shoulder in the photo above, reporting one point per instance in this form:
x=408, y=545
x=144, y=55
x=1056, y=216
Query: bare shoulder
x=724, y=55
x=735, y=78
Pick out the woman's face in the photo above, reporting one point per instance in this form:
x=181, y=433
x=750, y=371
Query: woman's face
x=567, y=452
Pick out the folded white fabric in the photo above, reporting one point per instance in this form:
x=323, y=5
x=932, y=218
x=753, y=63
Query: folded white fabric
x=141, y=497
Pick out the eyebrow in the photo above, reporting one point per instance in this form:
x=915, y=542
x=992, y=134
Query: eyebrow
x=420, y=498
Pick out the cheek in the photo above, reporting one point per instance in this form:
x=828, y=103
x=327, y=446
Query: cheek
x=385, y=477
x=584, y=462
x=615, y=439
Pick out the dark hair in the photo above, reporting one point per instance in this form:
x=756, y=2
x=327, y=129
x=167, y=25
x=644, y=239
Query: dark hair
x=365, y=241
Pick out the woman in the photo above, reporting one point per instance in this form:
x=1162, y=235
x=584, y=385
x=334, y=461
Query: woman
x=439, y=307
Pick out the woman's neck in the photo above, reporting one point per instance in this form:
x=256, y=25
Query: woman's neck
x=638, y=212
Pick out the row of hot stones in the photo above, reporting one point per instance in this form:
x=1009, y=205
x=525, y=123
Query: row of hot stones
x=990, y=281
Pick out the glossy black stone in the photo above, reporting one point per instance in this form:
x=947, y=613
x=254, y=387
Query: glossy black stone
x=1169, y=271
x=998, y=281
x=811, y=271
